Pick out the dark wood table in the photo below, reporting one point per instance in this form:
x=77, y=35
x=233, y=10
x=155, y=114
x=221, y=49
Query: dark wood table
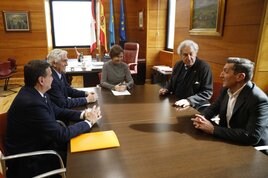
x=156, y=140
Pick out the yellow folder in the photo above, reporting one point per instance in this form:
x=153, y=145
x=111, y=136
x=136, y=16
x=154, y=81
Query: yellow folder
x=94, y=141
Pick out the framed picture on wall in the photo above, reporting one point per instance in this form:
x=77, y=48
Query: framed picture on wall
x=16, y=21
x=207, y=17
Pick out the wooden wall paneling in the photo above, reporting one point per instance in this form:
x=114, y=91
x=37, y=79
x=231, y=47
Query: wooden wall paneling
x=216, y=71
x=182, y=14
x=263, y=55
x=156, y=38
x=261, y=80
x=38, y=21
x=23, y=40
x=23, y=55
x=155, y=32
x=243, y=12
x=153, y=4
x=261, y=69
x=153, y=55
x=22, y=5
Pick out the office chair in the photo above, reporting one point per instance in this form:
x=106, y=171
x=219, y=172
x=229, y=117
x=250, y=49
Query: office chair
x=131, y=53
x=3, y=158
x=5, y=73
x=13, y=65
x=217, y=87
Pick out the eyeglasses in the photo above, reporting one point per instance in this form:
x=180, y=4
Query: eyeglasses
x=187, y=54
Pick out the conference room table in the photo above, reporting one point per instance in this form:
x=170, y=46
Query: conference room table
x=159, y=140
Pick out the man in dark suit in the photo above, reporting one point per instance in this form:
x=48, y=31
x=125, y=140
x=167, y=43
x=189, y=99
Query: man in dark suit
x=61, y=93
x=191, y=79
x=242, y=107
x=32, y=124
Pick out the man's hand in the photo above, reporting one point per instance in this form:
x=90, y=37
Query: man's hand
x=182, y=103
x=91, y=97
x=163, y=91
x=93, y=115
x=200, y=122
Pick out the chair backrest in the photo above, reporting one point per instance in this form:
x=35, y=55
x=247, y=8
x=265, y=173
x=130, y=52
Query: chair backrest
x=217, y=86
x=3, y=125
x=13, y=65
x=5, y=68
x=131, y=52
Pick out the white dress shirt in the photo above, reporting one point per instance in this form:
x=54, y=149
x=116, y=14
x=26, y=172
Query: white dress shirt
x=231, y=103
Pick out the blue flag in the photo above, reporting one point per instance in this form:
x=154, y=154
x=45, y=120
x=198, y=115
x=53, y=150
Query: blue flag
x=122, y=28
x=111, y=25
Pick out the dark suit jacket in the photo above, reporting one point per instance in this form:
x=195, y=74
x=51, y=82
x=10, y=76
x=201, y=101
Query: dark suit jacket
x=197, y=84
x=61, y=90
x=249, y=121
x=32, y=126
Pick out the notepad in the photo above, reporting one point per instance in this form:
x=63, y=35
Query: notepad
x=94, y=141
x=88, y=89
x=120, y=93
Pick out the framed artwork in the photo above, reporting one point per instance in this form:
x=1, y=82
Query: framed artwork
x=207, y=17
x=140, y=15
x=16, y=21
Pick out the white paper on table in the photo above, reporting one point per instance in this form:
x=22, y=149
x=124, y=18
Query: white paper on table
x=86, y=89
x=120, y=93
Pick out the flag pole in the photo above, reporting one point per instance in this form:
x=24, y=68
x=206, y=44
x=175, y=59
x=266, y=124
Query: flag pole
x=98, y=28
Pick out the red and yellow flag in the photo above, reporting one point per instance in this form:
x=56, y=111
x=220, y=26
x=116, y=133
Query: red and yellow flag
x=98, y=14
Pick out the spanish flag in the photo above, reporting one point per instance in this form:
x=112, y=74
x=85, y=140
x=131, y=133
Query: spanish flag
x=98, y=14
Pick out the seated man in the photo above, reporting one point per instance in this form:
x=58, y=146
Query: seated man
x=242, y=107
x=61, y=93
x=32, y=125
x=191, y=79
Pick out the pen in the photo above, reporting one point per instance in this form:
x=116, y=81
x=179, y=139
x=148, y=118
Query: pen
x=121, y=83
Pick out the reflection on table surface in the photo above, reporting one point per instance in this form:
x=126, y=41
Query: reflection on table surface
x=156, y=140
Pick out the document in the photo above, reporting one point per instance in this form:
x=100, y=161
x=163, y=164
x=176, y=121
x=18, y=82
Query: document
x=120, y=93
x=94, y=141
x=163, y=69
x=89, y=89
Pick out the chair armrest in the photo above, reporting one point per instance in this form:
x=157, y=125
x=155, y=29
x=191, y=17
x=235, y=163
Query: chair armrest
x=50, y=173
x=61, y=123
x=132, y=65
x=36, y=153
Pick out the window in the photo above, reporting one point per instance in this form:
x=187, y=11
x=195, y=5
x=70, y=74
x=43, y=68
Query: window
x=171, y=12
x=71, y=22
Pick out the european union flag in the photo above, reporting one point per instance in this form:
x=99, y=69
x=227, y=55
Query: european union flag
x=122, y=28
x=111, y=25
